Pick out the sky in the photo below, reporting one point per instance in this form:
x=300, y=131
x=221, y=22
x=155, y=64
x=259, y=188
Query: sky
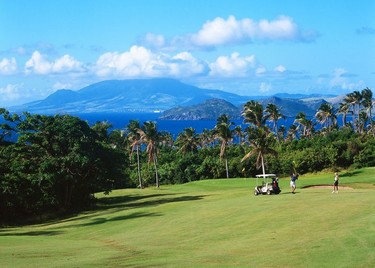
x=247, y=47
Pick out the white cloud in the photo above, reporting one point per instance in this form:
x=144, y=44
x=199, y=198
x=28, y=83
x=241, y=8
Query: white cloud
x=66, y=64
x=59, y=85
x=142, y=62
x=341, y=79
x=39, y=64
x=185, y=64
x=260, y=70
x=280, y=69
x=233, y=31
x=10, y=93
x=233, y=66
x=265, y=87
x=283, y=28
x=155, y=40
x=221, y=31
x=138, y=61
x=8, y=66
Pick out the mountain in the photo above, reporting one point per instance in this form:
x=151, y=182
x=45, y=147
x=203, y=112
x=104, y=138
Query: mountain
x=178, y=100
x=212, y=109
x=209, y=110
x=291, y=107
x=138, y=95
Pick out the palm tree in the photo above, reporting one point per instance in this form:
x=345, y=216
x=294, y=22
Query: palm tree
x=281, y=132
x=149, y=135
x=261, y=140
x=326, y=116
x=367, y=103
x=292, y=133
x=361, y=121
x=135, y=139
x=344, y=109
x=354, y=100
x=166, y=139
x=306, y=124
x=206, y=137
x=253, y=113
x=239, y=133
x=187, y=141
x=225, y=135
x=301, y=120
x=273, y=114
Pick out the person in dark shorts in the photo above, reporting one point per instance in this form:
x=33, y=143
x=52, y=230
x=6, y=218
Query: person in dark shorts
x=336, y=183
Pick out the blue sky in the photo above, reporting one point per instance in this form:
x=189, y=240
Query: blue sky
x=241, y=46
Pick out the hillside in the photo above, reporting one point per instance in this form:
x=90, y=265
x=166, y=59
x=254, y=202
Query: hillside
x=208, y=110
x=212, y=109
x=178, y=100
x=137, y=95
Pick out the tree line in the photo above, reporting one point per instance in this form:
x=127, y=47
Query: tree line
x=56, y=163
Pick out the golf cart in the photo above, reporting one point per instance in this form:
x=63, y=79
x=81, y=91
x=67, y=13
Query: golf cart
x=270, y=184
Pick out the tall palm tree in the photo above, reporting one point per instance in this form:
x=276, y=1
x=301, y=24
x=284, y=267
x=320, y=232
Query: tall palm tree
x=368, y=103
x=187, y=141
x=261, y=140
x=253, y=113
x=326, y=116
x=149, y=135
x=273, y=114
x=354, y=100
x=166, y=139
x=281, y=132
x=135, y=139
x=306, y=124
x=361, y=121
x=225, y=135
x=237, y=131
x=292, y=133
x=301, y=120
x=344, y=109
x=206, y=137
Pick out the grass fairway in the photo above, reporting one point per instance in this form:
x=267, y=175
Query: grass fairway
x=214, y=223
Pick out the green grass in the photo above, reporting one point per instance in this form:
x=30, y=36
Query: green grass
x=214, y=223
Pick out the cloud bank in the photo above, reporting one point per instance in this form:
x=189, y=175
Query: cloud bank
x=232, y=31
x=39, y=64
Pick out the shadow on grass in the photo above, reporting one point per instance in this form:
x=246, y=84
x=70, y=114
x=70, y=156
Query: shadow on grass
x=140, y=201
x=119, y=203
x=32, y=233
x=134, y=215
x=351, y=173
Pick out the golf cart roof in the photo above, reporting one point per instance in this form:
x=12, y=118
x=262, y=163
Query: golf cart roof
x=266, y=175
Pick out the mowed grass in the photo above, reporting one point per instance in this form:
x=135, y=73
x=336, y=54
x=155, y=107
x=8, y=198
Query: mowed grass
x=213, y=223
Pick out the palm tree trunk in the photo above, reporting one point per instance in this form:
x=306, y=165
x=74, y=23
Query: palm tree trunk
x=156, y=172
x=371, y=122
x=263, y=169
x=139, y=169
x=226, y=167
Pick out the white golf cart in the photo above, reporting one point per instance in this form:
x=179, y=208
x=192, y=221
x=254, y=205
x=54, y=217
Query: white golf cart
x=270, y=184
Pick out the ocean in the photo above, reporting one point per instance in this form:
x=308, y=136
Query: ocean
x=120, y=121
x=174, y=127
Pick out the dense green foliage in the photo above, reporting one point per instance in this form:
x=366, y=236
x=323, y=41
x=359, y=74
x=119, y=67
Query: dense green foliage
x=56, y=163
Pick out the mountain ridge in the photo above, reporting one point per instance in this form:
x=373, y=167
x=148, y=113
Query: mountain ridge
x=158, y=94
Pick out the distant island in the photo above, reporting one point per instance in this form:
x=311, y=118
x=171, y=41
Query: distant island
x=171, y=98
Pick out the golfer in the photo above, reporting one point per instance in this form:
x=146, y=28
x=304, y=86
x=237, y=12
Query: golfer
x=293, y=179
x=336, y=183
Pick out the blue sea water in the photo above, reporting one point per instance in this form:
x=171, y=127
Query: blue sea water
x=175, y=127
x=120, y=121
